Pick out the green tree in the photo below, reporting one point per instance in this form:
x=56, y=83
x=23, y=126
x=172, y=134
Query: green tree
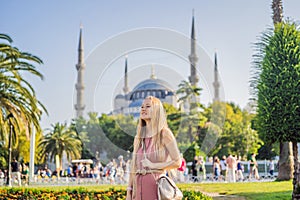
x=119, y=130
x=19, y=106
x=59, y=140
x=286, y=157
x=79, y=125
x=188, y=94
x=189, y=121
x=235, y=136
x=278, y=84
x=109, y=135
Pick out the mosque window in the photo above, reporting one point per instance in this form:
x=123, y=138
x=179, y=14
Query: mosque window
x=163, y=94
x=158, y=94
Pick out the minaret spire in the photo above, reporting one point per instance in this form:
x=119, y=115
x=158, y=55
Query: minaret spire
x=152, y=72
x=193, y=57
x=126, y=88
x=79, y=106
x=216, y=83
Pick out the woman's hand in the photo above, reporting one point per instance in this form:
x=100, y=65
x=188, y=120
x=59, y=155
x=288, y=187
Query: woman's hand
x=129, y=195
x=147, y=163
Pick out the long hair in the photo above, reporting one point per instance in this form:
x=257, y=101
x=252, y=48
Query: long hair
x=158, y=122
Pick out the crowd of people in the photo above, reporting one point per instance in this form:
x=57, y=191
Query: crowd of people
x=19, y=173
x=114, y=172
x=229, y=168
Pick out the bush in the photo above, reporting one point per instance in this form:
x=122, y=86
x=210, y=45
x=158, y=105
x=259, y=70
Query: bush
x=80, y=193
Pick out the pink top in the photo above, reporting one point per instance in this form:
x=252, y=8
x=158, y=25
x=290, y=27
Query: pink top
x=146, y=188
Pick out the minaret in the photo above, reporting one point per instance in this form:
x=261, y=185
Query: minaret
x=216, y=83
x=79, y=107
x=126, y=88
x=193, y=57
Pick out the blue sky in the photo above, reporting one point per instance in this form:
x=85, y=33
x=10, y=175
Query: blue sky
x=50, y=30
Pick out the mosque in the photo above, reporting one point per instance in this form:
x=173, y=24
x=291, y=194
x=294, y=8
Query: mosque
x=130, y=101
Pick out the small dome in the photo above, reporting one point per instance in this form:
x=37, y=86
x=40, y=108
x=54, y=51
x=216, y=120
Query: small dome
x=120, y=96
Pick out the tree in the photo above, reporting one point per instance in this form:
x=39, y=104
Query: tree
x=277, y=83
x=235, y=136
x=19, y=107
x=277, y=11
x=286, y=156
x=189, y=121
x=79, y=125
x=58, y=141
x=109, y=135
x=17, y=96
x=189, y=94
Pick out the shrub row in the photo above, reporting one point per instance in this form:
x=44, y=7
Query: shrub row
x=79, y=193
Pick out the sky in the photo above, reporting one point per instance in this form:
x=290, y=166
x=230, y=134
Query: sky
x=113, y=30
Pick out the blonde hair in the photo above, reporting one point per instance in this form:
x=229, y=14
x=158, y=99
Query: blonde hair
x=158, y=123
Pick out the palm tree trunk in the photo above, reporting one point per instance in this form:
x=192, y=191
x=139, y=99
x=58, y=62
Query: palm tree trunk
x=296, y=179
x=286, y=161
x=58, y=164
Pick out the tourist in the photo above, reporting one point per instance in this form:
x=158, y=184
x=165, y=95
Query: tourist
x=154, y=151
x=15, y=169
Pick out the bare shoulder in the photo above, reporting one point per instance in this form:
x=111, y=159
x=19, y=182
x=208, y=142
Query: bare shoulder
x=167, y=135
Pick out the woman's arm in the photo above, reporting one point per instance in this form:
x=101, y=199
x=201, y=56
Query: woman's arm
x=172, y=149
x=129, y=188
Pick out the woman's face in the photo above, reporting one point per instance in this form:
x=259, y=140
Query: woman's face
x=146, y=110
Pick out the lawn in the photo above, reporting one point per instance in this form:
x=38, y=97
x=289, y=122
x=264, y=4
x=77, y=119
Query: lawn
x=250, y=190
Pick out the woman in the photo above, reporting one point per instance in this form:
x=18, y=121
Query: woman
x=217, y=167
x=161, y=152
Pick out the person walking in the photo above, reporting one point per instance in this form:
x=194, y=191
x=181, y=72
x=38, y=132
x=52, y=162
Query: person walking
x=195, y=169
x=181, y=169
x=240, y=169
x=217, y=168
x=271, y=167
x=155, y=150
x=15, y=171
x=231, y=167
x=202, y=169
x=223, y=168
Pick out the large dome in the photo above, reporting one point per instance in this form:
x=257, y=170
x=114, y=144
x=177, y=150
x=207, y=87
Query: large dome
x=153, y=84
x=154, y=87
x=131, y=102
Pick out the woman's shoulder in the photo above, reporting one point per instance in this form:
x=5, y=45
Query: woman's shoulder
x=167, y=135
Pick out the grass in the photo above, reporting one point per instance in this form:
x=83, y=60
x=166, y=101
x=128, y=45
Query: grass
x=251, y=191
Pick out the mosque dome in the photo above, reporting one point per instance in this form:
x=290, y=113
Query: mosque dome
x=120, y=96
x=154, y=87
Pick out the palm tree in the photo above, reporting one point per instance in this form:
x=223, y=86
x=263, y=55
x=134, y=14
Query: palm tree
x=286, y=148
x=17, y=96
x=19, y=107
x=277, y=11
x=59, y=140
x=189, y=94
